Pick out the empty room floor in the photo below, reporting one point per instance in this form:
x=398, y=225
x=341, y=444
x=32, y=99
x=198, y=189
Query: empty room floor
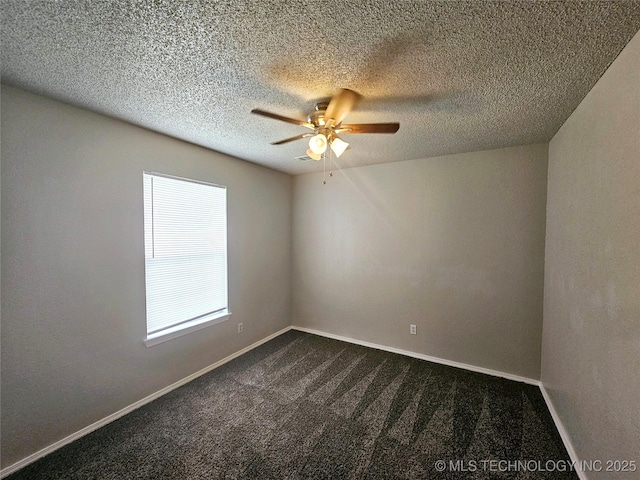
x=304, y=406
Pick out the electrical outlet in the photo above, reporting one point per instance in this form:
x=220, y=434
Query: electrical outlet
x=240, y=327
x=412, y=330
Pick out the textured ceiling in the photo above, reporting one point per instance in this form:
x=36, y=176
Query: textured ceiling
x=458, y=75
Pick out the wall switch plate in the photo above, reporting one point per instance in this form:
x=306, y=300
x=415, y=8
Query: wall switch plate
x=412, y=330
x=240, y=327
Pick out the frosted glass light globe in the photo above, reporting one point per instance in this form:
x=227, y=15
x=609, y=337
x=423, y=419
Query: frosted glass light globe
x=318, y=144
x=338, y=146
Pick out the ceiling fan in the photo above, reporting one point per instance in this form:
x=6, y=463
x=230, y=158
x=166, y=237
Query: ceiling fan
x=326, y=123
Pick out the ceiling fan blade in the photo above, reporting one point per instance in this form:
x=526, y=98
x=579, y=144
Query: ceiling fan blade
x=340, y=106
x=292, y=139
x=275, y=116
x=368, y=128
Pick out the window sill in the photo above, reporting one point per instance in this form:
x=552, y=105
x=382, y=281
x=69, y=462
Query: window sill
x=185, y=328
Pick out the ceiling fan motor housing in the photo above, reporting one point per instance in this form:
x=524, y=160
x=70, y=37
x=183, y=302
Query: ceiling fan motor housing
x=317, y=117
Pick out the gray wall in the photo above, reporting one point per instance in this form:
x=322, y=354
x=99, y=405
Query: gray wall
x=591, y=333
x=73, y=314
x=453, y=244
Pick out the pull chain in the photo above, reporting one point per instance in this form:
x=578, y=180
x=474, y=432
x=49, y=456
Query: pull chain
x=330, y=163
x=324, y=168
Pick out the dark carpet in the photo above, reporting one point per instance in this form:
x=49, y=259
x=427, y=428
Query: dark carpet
x=303, y=406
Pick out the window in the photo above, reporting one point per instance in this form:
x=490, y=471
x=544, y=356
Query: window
x=185, y=244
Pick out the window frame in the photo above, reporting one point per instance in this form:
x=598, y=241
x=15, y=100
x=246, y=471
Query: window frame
x=212, y=318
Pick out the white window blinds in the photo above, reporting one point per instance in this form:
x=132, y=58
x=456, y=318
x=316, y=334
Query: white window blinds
x=185, y=227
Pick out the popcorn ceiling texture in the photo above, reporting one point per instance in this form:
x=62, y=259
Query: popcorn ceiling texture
x=458, y=75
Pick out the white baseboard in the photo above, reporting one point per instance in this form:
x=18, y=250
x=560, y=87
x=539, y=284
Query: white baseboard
x=450, y=363
x=563, y=432
x=120, y=413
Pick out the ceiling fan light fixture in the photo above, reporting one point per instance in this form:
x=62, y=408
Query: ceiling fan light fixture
x=338, y=146
x=318, y=144
x=326, y=123
x=314, y=156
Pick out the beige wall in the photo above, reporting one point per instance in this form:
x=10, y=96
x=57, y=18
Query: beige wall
x=591, y=334
x=453, y=244
x=73, y=317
